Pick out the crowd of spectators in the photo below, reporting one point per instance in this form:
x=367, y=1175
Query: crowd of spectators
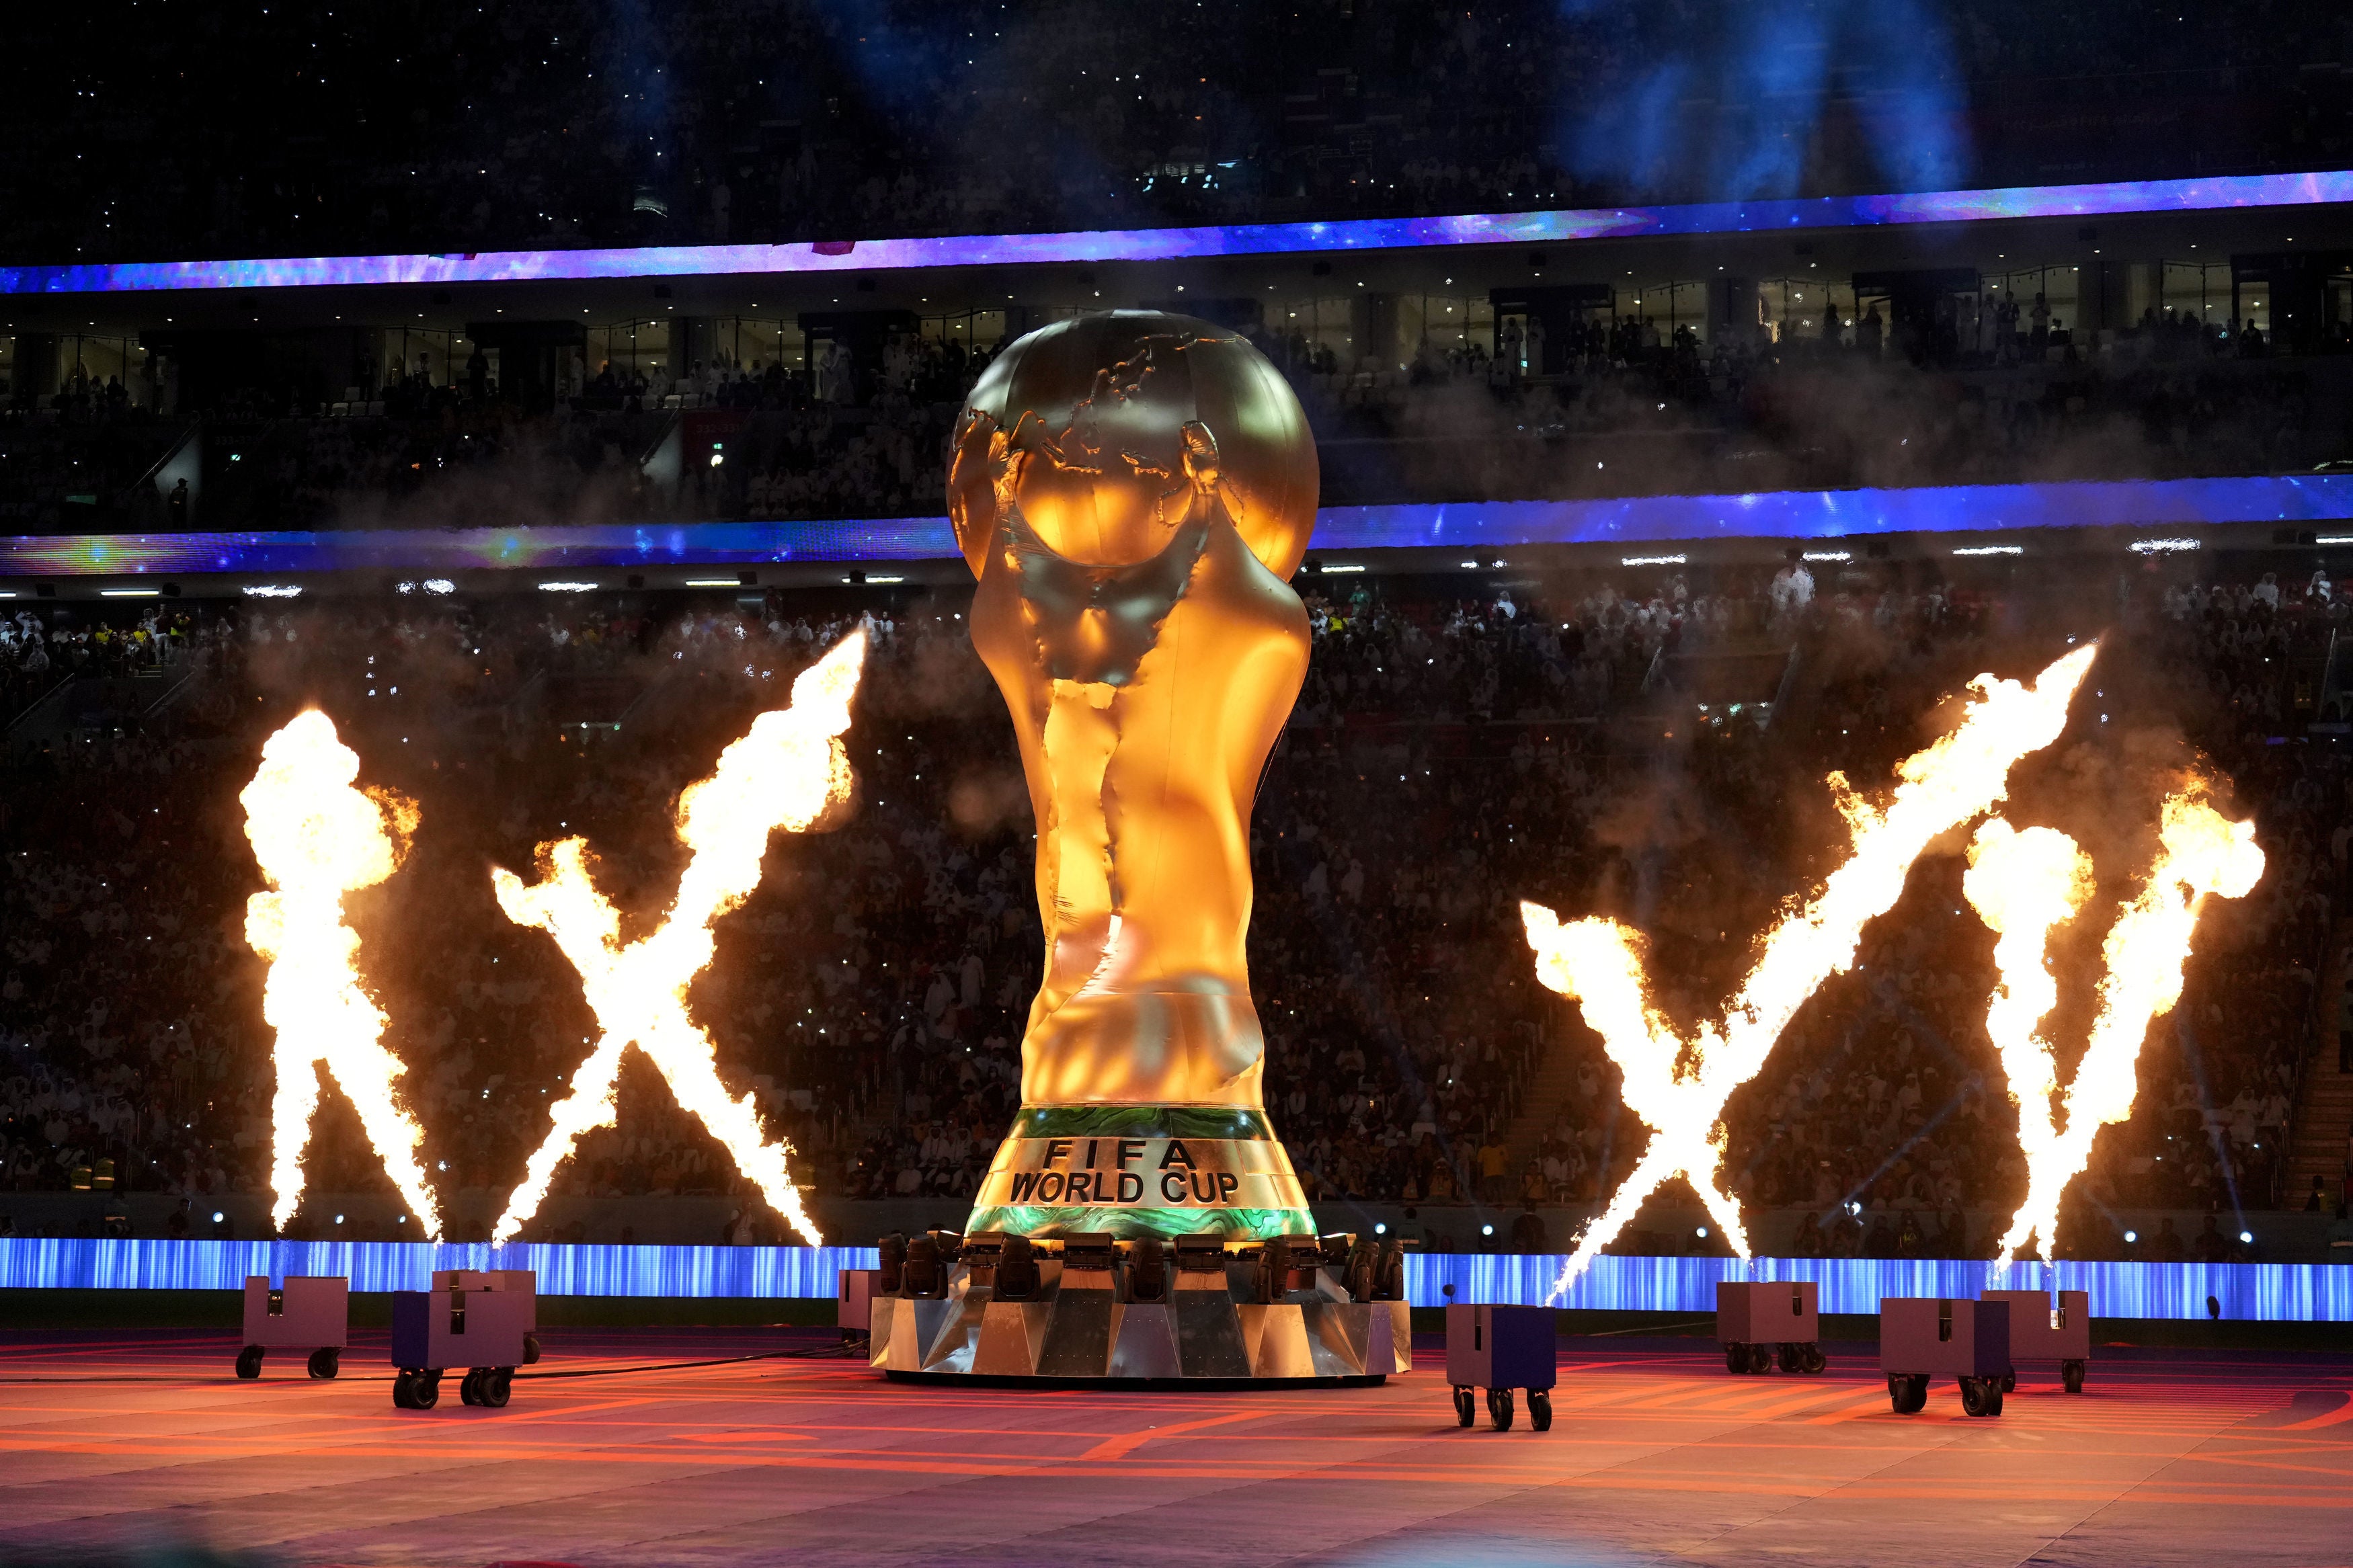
x=453, y=128
x=1625, y=413
x=1880, y=1095
x=1619, y=413
x=1647, y=745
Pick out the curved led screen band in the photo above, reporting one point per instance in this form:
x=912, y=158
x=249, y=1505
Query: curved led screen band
x=2312, y=499
x=2113, y=198
x=2297, y=1292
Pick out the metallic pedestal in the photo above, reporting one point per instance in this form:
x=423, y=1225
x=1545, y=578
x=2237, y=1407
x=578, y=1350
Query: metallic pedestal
x=1076, y=1326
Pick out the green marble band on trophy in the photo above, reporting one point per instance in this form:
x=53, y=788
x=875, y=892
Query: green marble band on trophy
x=1139, y=1170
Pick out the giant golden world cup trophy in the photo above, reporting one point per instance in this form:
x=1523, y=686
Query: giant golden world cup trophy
x=1131, y=490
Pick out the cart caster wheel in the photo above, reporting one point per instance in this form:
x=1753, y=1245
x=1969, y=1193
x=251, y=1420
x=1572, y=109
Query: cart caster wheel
x=1813, y=1359
x=1498, y=1408
x=1540, y=1409
x=1736, y=1358
x=326, y=1362
x=1466, y=1405
x=1786, y=1356
x=470, y=1390
x=412, y=1389
x=428, y=1393
x=1908, y=1392
x=1760, y=1359
x=403, y=1392
x=2071, y=1376
x=248, y=1362
x=2010, y=1380
x=530, y=1350
x=497, y=1383
x=1981, y=1395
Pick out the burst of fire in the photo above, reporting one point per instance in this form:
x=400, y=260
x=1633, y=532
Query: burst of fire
x=317, y=837
x=787, y=772
x=1677, y=1086
x=2201, y=853
x=2024, y=885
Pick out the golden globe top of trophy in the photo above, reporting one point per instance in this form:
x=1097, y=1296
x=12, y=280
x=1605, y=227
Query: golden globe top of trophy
x=1131, y=490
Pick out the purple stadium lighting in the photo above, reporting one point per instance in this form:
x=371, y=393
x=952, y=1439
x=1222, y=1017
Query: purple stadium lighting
x=1175, y=243
x=2304, y=500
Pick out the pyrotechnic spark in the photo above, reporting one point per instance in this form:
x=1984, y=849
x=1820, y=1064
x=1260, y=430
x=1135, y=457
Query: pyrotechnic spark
x=1679, y=1087
x=787, y=772
x=317, y=837
x=2201, y=853
x=2023, y=886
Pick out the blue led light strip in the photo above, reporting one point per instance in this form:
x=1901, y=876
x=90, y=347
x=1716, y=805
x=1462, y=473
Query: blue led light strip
x=34, y=1263
x=2295, y=1292
x=2275, y=1293
x=2300, y=499
x=1171, y=244
x=2269, y=1292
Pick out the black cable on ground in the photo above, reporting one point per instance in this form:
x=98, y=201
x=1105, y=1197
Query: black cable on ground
x=813, y=1353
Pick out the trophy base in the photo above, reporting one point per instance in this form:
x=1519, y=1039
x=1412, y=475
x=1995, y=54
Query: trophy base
x=1210, y=1333
x=1135, y=1171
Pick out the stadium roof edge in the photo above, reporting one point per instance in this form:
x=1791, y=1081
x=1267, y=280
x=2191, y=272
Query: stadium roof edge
x=1566, y=226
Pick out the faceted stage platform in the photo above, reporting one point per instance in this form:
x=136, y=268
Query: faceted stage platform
x=112, y=1445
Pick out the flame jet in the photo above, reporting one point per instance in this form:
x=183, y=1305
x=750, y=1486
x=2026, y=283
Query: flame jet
x=1679, y=1087
x=2024, y=885
x=317, y=837
x=787, y=772
x=2201, y=853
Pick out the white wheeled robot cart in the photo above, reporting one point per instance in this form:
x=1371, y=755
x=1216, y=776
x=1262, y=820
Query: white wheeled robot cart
x=2041, y=1331
x=311, y=1313
x=1922, y=1337
x=1761, y=1325
x=1500, y=1349
x=477, y=1321
x=520, y=1282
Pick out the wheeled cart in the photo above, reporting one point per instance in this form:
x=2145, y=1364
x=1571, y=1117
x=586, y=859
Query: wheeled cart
x=309, y=1312
x=514, y=1282
x=2040, y=1330
x=482, y=1324
x=1763, y=1324
x=1500, y=1349
x=853, y=1303
x=1924, y=1337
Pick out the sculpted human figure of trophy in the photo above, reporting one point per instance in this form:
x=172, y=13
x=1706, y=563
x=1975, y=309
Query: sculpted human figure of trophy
x=1131, y=490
